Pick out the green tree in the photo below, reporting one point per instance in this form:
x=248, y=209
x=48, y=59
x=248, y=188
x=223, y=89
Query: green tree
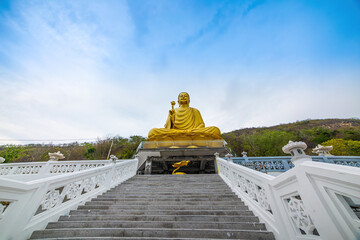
x=90, y=150
x=12, y=153
x=321, y=134
x=266, y=143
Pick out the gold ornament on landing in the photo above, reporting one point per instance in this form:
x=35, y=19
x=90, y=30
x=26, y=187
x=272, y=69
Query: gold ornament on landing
x=179, y=165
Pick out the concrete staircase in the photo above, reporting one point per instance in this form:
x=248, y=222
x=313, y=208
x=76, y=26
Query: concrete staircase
x=161, y=207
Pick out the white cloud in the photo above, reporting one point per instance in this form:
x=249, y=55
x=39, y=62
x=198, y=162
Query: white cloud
x=80, y=75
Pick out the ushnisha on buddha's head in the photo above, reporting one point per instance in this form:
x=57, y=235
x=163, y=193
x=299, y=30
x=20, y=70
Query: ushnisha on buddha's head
x=183, y=98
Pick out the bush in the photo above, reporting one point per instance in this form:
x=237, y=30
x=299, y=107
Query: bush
x=342, y=147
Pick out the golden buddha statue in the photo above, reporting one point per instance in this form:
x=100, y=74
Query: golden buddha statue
x=183, y=124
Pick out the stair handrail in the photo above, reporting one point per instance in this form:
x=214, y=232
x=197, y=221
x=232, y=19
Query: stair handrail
x=49, y=167
x=309, y=201
x=26, y=206
x=281, y=164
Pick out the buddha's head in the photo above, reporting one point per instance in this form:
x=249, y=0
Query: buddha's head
x=183, y=98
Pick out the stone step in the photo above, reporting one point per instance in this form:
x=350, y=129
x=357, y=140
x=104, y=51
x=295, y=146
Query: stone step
x=228, y=202
x=197, y=218
x=167, y=182
x=174, y=195
x=156, y=224
x=154, y=232
x=173, y=198
x=159, y=192
x=127, y=238
x=172, y=187
x=162, y=207
x=171, y=190
x=186, y=177
x=185, y=189
x=162, y=212
x=175, y=183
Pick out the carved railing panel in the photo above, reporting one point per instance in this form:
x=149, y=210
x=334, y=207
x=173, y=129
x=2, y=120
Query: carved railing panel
x=282, y=164
x=50, y=167
x=249, y=185
x=4, y=205
x=21, y=168
x=301, y=219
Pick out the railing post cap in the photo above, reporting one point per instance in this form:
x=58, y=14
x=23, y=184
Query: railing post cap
x=2, y=159
x=56, y=156
x=322, y=150
x=229, y=156
x=296, y=149
x=293, y=145
x=113, y=159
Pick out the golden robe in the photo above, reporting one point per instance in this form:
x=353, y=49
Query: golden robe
x=188, y=125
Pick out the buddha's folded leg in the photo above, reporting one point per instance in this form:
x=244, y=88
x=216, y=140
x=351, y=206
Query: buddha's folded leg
x=161, y=133
x=165, y=134
x=214, y=132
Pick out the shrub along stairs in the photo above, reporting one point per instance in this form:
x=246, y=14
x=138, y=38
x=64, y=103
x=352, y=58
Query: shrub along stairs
x=161, y=207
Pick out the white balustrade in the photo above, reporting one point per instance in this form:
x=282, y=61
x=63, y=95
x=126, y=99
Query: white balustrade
x=26, y=205
x=310, y=201
x=49, y=167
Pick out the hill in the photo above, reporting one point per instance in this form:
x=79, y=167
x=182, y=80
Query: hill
x=268, y=141
x=121, y=147
x=343, y=134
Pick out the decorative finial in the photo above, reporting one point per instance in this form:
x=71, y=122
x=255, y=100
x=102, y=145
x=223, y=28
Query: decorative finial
x=296, y=149
x=2, y=159
x=229, y=156
x=322, y=150
x=291, y=145
x=244, y=154
x=113, y=158
x=56, y=156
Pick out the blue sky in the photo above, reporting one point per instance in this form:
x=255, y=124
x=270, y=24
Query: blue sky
x=87, y=69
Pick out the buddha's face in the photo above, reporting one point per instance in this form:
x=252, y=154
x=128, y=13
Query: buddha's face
x=183, y=98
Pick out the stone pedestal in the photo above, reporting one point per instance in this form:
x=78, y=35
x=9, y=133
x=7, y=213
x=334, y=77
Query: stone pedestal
x=160, y=161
